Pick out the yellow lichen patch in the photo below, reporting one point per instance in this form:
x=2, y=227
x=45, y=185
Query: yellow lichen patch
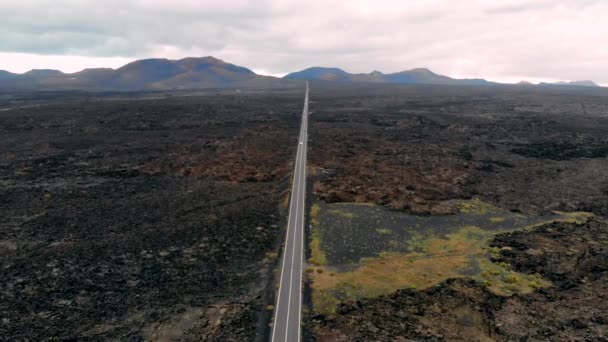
x=497, y=219
x=417, y=242
x=476, y=206
x=577, y=217
x=381, y=276
x=504, y=282
x=468, y=240
x=285, y=201
x=272, y=255
x=317, y=256
x=574, y=217
x=439, y=260
x=324, y=301
x=314, y=214
x=344, y=214
x=383, y=231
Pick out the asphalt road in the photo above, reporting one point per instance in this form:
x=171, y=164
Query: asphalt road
x=288, y=308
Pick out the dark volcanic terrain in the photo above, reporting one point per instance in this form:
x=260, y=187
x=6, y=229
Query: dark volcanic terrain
x=573, y=256
x=131, y=219
x=157, y=216
x=413, y=148
x=421, y=150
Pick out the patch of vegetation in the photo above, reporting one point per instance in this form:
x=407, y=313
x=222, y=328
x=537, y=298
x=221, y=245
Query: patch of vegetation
x=417, y=242
x=501, y=280
x=574, y=217
x=314, y=214
x=285, y=201
x=344, y=214
x=324, y=301
x=317, y=256
x=423, y=254
x=431, y=260
x=495, y=252
x=384, y=231
x=476, y=206
x=270, y=257
x=577, y=217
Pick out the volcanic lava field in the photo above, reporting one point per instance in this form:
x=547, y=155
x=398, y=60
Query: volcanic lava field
x=142, y=219
x=458, y=213
x=435, y=213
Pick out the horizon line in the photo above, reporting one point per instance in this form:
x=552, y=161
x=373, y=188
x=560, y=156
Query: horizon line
x=510, y=80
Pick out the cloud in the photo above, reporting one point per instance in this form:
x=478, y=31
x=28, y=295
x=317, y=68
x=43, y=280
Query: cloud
x=535, y=39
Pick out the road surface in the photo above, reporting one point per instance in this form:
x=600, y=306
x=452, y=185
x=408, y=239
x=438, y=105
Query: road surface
x=288, y=308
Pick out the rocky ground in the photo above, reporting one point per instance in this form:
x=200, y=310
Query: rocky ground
x=416, y=148
x=413, y=148
x=142, y=218
x=156, y=216
x=574, y=256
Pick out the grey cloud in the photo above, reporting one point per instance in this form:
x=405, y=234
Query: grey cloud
x=535, y=38
x=532, y=6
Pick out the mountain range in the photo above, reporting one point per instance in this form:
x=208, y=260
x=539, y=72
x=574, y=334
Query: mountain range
x=414, y=76
x=146, y=74
x=574, y=83
x=210, y=72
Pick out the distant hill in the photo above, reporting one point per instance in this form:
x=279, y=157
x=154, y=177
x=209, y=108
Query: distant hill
x=147, y=74
x=6, y=75
x=322, y=74
x=574, y=83
x=558, y=84
x=41, y=73
x=414, y=76
x=210, y=72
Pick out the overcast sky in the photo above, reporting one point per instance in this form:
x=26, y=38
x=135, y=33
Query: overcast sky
x=502, y=40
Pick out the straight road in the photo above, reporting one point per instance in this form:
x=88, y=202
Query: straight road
x=288, y=308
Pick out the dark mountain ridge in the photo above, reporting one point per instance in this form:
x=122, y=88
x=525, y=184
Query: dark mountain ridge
x=146, y=74
x=210, y=72
x=585, y=83
x=413, y=76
